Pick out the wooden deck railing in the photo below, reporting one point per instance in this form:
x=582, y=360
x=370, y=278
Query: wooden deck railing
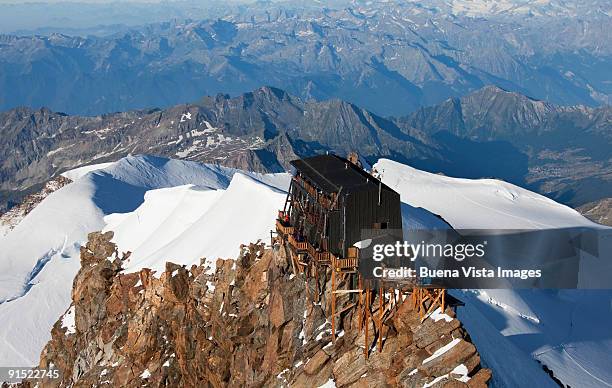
x=321, y=256
x=284, y=229
x=349, y=263
x=298, y=245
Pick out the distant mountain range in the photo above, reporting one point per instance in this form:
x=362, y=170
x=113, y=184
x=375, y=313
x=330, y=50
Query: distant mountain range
x=388, y=57
x=563, y=152
x=260, y=130
x=568, y=147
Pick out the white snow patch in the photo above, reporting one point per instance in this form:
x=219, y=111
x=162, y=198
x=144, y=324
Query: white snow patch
x=477, y=203
x=68, y=321
x=185, y=117
x=209, y=129
x=438, y=315
x=188, y=223
x=328, y=384
x=434, y=381
x=59, y=149
x=442, y=350
x=461, y=370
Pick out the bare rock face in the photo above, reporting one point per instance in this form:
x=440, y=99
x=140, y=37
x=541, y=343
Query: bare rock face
x=598, y=211
x=249, y=322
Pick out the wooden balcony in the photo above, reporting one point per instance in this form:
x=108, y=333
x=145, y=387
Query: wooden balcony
x=321, y=256
x=349, y=263
x=345, y=264
x=300, y=246
x=285, y=230
x=325, y=257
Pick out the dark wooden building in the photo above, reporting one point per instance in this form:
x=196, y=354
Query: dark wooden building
x=331, y=205
x=331, y=201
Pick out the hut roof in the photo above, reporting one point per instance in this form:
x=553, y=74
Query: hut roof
x=331, y=173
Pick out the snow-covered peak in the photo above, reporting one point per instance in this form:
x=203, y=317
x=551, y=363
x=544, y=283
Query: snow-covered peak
x=187, y=223
x=484, y=8
x=80, y=172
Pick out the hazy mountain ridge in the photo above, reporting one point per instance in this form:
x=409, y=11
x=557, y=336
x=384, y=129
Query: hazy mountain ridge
x=390, y=58
x=561, y=151
x=568, y=147
x=493, y=113
x=261, y=130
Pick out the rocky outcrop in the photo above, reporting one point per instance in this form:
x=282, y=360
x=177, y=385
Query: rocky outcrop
x=247, y=322
x=598, y=211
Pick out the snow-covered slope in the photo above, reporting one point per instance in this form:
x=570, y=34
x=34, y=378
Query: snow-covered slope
x=168, y=224
x=477, y=203
x=167, y=210
x=80, y=172
x=39, y=258
x=569, y=331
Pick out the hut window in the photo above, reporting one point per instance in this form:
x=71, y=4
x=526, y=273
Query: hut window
x=381, y=225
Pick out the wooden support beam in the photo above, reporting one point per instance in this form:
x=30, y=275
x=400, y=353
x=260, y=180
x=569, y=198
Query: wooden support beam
x=360, y=323
x=306, y=288
x=398, y=297
x=443, y=301
x=432, y=307
x=293, y=263
x=421, y=294
x=333, y=305
x=381, y=310
x=346, y=309
x=367, y=318
x=317, y=285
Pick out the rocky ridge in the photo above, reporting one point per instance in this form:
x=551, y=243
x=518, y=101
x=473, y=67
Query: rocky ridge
x=257, y=131
x=248, y=322
x=14, y=215
x=562, y=152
